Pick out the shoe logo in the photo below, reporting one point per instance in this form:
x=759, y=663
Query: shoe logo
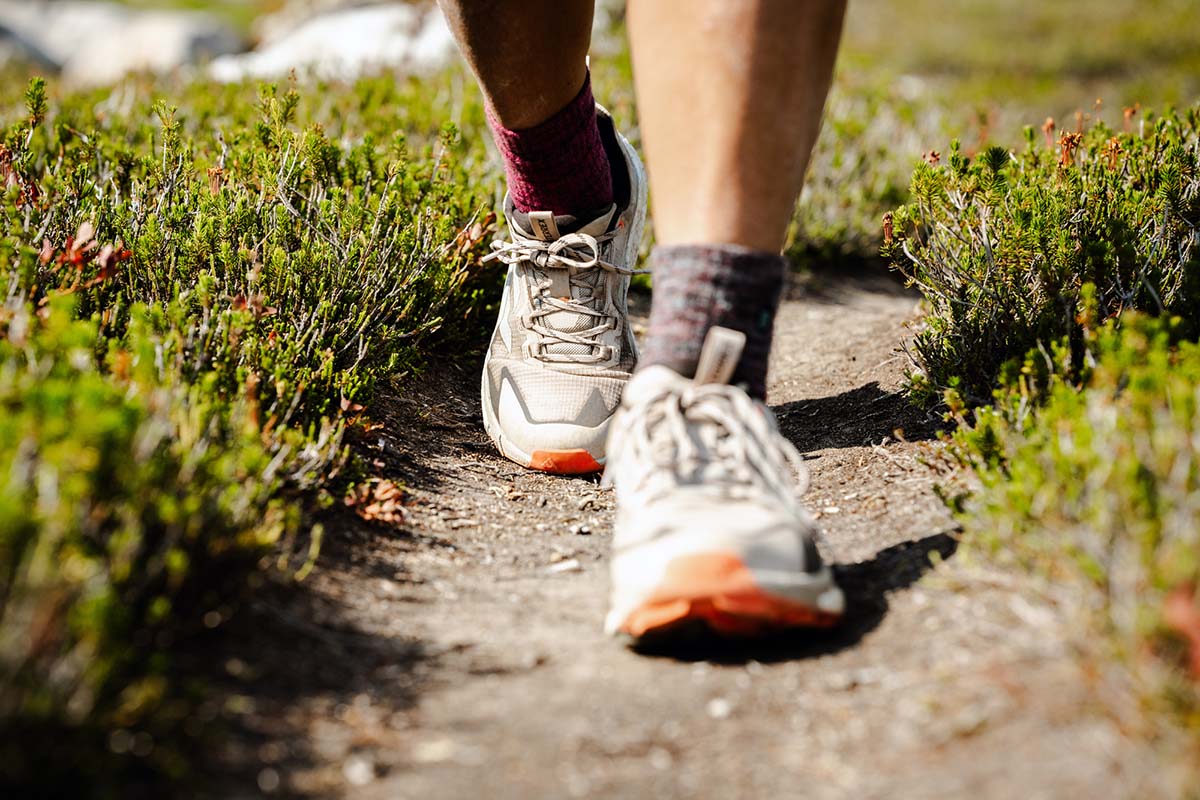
x=545, y=228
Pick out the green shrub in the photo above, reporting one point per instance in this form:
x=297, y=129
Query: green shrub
x=197, y=303
x=1002, y=244
x=1099, y=484
x=130, y=507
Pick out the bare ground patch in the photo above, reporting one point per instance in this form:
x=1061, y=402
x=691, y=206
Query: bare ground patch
x=459, y=653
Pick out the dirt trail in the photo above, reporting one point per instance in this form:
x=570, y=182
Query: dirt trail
x=459, y=654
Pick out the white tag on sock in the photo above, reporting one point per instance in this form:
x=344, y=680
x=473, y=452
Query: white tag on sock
x=543, y=226
x=720, y=355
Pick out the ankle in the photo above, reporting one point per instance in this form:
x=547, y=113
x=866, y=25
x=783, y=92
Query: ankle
x=561, y=164
x=697, y=287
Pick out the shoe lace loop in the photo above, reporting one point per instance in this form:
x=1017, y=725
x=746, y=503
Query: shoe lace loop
x=591, y=295
x=715, y=435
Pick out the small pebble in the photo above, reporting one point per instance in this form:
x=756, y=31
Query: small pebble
x=719, y=708
x=570, y=565
x=434, y=751
x=359, y=771
x=268, y=780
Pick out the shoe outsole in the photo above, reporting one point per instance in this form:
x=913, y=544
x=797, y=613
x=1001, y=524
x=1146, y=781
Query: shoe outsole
x=718, y=592
x=564, y=462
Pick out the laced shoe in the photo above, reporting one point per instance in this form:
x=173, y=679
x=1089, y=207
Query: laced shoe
x=709, y=527
x=563, y=348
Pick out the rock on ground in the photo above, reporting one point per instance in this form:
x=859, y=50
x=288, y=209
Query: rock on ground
x=94, y=43
x=344, y=43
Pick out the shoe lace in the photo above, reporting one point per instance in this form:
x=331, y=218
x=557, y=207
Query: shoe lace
x=713, y=435
x=590, y=297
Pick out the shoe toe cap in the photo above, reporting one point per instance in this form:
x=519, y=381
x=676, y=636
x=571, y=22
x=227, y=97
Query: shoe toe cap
x=549, y=414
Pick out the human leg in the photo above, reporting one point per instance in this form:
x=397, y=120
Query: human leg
x=730, y=99
x=530, y=59
x=529, y=56
x=709, y=530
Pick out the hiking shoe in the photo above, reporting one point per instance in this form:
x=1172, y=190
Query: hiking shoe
x=563, y=349
x=709, y=529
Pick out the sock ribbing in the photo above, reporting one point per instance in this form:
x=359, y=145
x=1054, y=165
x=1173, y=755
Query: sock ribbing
x=697, y=287
x=559, y=165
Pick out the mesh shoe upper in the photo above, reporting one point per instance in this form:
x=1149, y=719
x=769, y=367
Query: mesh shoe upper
x=694, y=450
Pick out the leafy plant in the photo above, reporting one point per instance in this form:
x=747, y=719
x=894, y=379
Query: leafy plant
x=198, y=299
x=1001, y=245
x=1092, y=477
x=1062, y=284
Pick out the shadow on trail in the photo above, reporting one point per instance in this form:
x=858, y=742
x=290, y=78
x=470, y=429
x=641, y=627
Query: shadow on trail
x=291, y=656
x=830, y=285
x=867, y=586
x=856, y=418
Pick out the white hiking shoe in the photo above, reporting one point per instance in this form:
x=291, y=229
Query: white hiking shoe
x=563, y=348
x=709, y=528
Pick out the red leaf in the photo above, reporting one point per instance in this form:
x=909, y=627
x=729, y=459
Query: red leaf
x=378, y=501
x=1182, y=615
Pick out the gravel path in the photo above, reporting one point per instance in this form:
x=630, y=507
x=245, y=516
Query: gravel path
x=458, y=653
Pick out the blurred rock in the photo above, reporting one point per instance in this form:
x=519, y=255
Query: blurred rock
x=16, y=49
x=294, y=13
x=98, y=42
x=343, y=43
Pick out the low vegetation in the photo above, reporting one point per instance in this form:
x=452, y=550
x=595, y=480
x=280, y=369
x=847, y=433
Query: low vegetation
x=1061, y=282
x=872, y=134
x=197, y=302
x=1002, y=245
x=1092, y=477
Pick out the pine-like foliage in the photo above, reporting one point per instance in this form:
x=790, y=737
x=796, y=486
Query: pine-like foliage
x=1001, y=245
x=195, y=303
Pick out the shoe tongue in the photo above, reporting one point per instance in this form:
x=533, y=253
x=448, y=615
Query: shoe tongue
x=547, y=227
x=720, y=354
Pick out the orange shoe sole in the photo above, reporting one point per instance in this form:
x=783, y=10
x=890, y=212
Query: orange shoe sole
x=719, y=590
x=564, y=462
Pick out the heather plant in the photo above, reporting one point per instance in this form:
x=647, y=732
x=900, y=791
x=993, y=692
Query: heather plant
x=130, y=507
x=1061, y=286
x=1002, y=244
x=1091, y=476
x=197, y=301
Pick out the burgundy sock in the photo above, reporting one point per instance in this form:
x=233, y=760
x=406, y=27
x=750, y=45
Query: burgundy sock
x=559, y=165
x=697, y=287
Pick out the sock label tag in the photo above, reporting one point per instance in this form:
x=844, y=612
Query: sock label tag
x=543, y=225
x=720, y=355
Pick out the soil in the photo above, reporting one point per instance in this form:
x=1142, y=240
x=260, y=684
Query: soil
x=457, y=652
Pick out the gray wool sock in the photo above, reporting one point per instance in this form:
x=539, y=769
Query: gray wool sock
x=697, y=287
